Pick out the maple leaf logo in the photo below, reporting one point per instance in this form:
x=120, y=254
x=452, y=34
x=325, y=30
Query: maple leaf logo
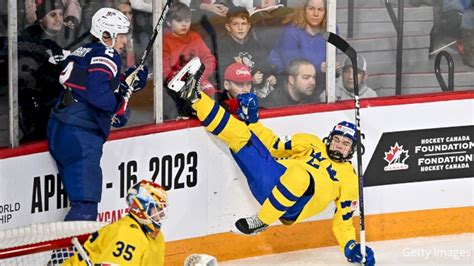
x=396, y=158
x=393, y=153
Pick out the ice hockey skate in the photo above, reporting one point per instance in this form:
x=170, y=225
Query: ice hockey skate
x=250, y=225
x=186, y=81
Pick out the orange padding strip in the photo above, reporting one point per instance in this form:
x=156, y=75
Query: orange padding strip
x=278, y=239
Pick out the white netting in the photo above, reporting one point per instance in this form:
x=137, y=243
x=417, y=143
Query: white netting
x=43, y=244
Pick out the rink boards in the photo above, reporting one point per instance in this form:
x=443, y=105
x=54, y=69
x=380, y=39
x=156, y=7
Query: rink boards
x=207, y=191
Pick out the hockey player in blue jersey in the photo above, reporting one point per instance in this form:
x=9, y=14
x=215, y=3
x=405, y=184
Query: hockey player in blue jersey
x=95, y=97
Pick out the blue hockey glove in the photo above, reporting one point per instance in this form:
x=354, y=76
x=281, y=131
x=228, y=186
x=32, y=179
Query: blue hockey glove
x=353, y=254
x=135, y=79
x=248, y=107
x=120, y=120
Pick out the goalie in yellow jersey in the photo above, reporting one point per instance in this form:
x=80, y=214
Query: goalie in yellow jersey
x=308, y=174
x=135, y=239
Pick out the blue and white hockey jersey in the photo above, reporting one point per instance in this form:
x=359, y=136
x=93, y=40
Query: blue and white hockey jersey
x=92, y=74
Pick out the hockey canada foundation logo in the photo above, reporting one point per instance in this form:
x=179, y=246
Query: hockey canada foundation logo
x=396, y=158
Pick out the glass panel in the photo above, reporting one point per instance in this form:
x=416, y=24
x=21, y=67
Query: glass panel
x=235, y=44
x=429, y=28
x=48, y=31
x=4, y=117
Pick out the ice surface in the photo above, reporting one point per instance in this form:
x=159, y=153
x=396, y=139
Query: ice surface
x=439, y=250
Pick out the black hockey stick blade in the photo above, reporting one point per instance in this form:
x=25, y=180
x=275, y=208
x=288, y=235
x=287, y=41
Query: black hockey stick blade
x=337, y=41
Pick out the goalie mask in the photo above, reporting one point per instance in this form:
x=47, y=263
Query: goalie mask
x=111, y=21
x=341, y=142
x=148, y=204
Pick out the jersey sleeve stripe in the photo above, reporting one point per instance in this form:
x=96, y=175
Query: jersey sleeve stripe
x=222, y=124
x=110, y=64
x=276, y=204
x=74, y=86
x=102, y=70
x=285, y=192
x=211, y=115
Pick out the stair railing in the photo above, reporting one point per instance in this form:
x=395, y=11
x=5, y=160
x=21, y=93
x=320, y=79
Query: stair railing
x=398, y=24
x=437, y=69
x=350, y=19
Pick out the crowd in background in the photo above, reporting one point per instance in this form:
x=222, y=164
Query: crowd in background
x=277, y=43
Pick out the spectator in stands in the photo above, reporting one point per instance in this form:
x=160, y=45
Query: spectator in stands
x=237, y=80
x=453, y=23
x=301, y=39
x=345, y=91
x=40, y=61
x=142, y=5
x=211, y=7
x=238, y=45
x=180, y=44
x=298, y=88
x=72, y=12
x=128, y=54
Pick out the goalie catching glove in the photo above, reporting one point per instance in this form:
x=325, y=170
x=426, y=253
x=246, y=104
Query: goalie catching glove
x=248, y=107
x=353, y=254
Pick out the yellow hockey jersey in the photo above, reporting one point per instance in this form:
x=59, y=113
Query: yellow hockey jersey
x=123, y=243
x=334, y=181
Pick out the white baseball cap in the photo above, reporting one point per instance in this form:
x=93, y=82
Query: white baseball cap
x=361, y=63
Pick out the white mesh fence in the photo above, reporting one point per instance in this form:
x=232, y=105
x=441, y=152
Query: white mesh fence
x=42, y=244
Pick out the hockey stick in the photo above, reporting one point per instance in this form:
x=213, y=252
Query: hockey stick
x=81, y=251
x=342, y=45
x=132, y=78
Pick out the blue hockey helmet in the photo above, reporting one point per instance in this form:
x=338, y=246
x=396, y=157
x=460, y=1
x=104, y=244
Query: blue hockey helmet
x=345, y=129
x=148, y=205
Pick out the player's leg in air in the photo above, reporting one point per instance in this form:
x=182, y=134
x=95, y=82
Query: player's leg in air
x=263, y=173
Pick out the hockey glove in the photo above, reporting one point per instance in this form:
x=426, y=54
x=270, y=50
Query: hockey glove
x=248, y=107
x=353, y=254
x=135, y=78
x=120, y=120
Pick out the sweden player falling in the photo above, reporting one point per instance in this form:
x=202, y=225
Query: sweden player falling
x=309, y=173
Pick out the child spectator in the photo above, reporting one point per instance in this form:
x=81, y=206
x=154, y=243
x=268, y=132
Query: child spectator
x=180, y=44
x=237, y=80
x=237, y=45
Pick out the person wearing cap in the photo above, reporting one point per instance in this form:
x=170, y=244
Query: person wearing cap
x=41, y=55
x=35, y=9
x=345, y=91
x=298, y=88
x=237, y=80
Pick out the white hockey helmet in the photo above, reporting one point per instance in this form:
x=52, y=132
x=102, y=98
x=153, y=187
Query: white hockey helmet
x=109, y=20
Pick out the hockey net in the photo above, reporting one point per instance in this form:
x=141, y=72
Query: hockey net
x=43, y=244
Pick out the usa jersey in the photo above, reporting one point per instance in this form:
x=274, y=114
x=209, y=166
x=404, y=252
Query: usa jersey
x=92, y=73
x=122, y=243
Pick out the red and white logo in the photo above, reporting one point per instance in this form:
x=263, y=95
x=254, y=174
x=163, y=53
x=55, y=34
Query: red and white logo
x=396, y=158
